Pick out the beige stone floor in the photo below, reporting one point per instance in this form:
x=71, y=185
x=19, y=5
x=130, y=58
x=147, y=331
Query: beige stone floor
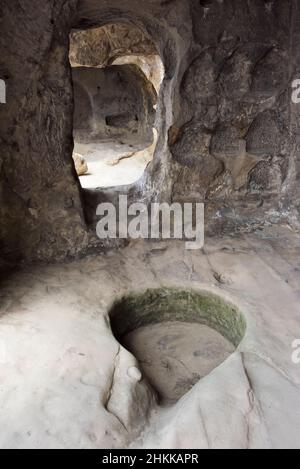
x=66, y=383
x=174, y=355
x=112, y=164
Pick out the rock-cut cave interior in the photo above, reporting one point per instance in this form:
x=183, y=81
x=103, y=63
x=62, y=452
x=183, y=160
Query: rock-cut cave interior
x=136, y=339
x=117, y=73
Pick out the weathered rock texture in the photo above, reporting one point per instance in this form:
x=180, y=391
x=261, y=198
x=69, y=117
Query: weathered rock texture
x=99, y=47
x=80, y=164
x=227, y=126
x=71, y=385
x=233, y=142
x=116, y=102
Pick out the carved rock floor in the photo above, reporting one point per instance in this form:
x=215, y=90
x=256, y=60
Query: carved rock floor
x=65, y=382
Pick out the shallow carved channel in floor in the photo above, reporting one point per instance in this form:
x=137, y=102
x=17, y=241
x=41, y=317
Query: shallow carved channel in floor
x=178, y=337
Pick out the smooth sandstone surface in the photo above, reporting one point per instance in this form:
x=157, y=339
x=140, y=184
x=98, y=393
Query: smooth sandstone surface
x=228, y=130
x=66, y=382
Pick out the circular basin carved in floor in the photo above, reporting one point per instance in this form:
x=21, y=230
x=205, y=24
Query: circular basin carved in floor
x=177, y=336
